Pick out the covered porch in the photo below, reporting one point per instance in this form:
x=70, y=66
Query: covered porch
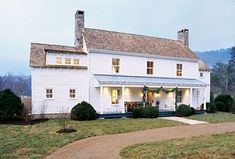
x=120, y=94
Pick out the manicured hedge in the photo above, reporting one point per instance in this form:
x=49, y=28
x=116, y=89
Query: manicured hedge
x=137, y=112
x=227, y=100
x=83, y=111
x=145, y=112
x=221, y=106
x=184, y=110
x=210, y=107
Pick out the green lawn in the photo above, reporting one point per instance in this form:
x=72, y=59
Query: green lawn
x=38, y=140
x=216, y=146
x=217, y=117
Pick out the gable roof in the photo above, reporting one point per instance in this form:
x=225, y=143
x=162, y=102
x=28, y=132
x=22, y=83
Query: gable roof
x=203, y=66
x=38, y=52
x=125, y=42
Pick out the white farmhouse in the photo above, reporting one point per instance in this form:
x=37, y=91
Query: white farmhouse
x=110, y=70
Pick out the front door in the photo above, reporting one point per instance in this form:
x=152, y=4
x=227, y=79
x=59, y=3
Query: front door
x=150, y=98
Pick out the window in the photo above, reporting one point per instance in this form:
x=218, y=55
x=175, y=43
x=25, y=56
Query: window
x=67, y=61
x=76, y=61
x=149, y=67
x=115, y=96
x=179, y=70
x=201, y=74
x=72, y=93
x=179, y=97
x=58, y=60
x=49, y=93
x=115, y=65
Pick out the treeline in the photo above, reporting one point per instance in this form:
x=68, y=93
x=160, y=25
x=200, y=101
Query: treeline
x=223, y=76
x=18, y=83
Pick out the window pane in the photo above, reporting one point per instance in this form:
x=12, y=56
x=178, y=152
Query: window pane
x=76, y=61
x=58, y=60
x=115, y=65
x=114, y=97
x=67, y=61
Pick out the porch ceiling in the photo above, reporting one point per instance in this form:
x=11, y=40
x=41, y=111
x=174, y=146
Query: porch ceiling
x=148, y=81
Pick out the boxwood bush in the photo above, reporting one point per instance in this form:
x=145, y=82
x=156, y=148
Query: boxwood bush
x=210, y=107
x=11, y=106
x=83, y=111
x=227, y=100
x=137, y=112
x=184, y=110
x=220, y=106
x=150, y=112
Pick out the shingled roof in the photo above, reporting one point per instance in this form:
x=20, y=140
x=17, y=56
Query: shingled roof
x=125, y=42
x=203, y=66
x=38, y=53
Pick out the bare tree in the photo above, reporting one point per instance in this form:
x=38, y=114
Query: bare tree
x=43, y=110
x=63, y=118
x=1, y=83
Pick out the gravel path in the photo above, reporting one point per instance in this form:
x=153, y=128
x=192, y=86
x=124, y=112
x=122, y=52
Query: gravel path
x=109, y=146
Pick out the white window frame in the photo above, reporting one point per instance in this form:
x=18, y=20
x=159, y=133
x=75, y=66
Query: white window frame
x=179, y=70
x=115, y=97
x=50, y=93
x=58, y=58
x=77, y=61
x=150, y=68
x=65, y=61
x=75, y=95
x=116, y=66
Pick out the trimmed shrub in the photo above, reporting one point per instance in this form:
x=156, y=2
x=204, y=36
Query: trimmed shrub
x=150, y=112
x=83, y=111
x=137, y=112
x=193, y=111
x=227, y=100
x=184, y=110
x=210, y=107
x=221, y=106
x=11, y=106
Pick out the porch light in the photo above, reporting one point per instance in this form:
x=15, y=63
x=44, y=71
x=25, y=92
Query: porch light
x=156, y=94
x=186, y=92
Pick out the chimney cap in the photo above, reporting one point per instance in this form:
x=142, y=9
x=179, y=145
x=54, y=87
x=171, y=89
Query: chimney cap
x=183, y=30
x=80, y=12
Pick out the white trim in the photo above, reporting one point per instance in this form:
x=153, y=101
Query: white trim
x=100, y=51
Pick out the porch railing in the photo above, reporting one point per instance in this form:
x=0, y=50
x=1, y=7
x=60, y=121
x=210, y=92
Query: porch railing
x=129, y=106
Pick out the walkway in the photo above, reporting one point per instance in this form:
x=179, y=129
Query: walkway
x=184, y=120
x=109, y=146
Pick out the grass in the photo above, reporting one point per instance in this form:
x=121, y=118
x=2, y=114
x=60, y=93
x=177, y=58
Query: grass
x=35, y=141
x=218, y=117
x=215, y=146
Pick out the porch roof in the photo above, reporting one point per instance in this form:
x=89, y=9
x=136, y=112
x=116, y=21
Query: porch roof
x=148, y=81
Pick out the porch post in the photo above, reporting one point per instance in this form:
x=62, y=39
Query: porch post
x=191, y=97
x=101, y=100
x=204, y=99
x=123, y=99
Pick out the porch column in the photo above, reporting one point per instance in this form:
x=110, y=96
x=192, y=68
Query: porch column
x=123, y=99
x=204, y=99
x=191, y=97
x=101, y=100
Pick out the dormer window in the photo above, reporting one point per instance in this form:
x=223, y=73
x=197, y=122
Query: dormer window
x=201, y=74
x=67, y=61
x=76, y=61
x=58, y=60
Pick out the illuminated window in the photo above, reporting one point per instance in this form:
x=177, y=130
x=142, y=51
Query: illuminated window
x=67, y=61
x=115, y=65
x=72, y=93
x=115, y=96
x=201, y=74
x=179, y=96
x=179, y=70
x=76, y=61
x=49, y=93
x=58, y=60
x=149, y=67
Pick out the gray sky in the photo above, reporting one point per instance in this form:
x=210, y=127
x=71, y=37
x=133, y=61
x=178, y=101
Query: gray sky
x=210, y=22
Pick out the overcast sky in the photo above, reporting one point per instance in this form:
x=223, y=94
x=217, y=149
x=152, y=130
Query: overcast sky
x=211, y=23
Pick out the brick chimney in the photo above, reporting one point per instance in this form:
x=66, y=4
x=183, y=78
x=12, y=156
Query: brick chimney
x=79, y=27
x=183, y=36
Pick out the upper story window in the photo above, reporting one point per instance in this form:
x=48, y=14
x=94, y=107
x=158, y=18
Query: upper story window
x=179, y=68
x=201, y=74
x=72, y=93
x=149, y=67
x=58, y=60
x=179, y=97
x=115, y=65
x=49, y=93
x=76, y=61
x=67, y=61
x=115, y=96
